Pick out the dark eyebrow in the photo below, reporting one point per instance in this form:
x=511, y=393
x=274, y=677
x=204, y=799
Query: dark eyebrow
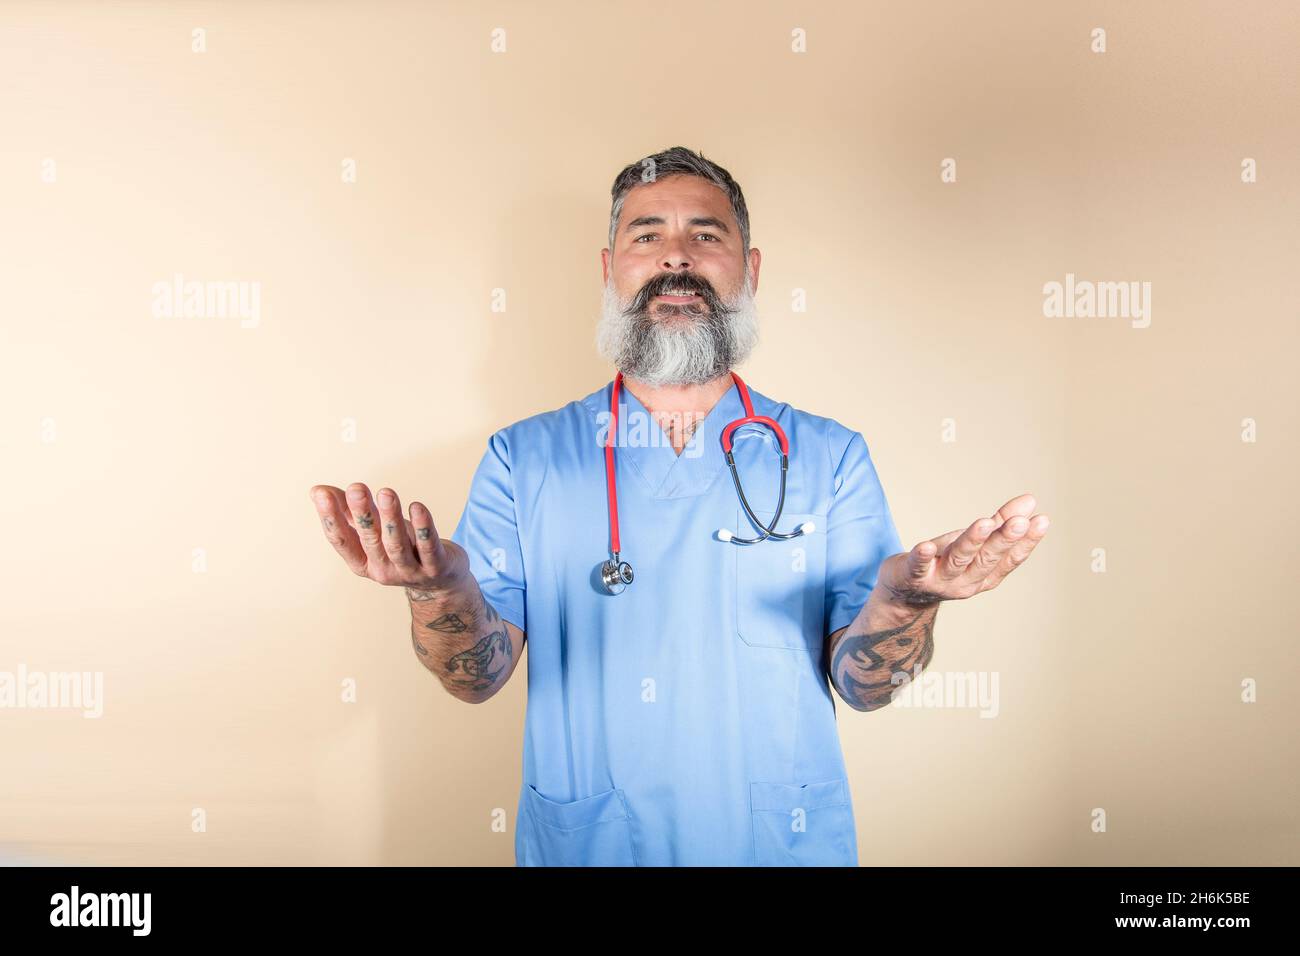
x=713, y=221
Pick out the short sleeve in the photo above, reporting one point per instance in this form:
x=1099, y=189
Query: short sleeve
x=489, y=533
x=860, y=534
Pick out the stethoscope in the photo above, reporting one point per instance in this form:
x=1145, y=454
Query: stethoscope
x=617, y=575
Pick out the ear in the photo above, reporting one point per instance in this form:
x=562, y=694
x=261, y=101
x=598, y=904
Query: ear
x=754, y=264
x=606, y=258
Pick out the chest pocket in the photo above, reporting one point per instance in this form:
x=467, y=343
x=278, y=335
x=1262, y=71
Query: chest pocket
x=781, y=585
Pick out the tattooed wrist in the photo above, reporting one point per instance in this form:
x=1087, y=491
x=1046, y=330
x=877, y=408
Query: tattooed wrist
x=910, y=597
x=450, y=587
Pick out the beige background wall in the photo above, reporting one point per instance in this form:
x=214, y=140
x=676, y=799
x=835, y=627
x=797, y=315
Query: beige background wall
x=129, y=441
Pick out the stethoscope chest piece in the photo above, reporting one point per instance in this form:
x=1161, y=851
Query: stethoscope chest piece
x=616, y=575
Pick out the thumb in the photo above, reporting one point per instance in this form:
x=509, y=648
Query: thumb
x=921, y=560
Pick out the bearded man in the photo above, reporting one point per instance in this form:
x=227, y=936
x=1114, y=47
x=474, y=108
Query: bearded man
x=682, y=713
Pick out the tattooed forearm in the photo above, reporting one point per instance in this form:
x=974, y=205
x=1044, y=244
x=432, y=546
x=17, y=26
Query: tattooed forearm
x=451, y=623
x=460, y=629
x=866, y=659
x=476, y=663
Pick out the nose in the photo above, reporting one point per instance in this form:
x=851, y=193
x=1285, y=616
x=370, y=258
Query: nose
x=676, y=258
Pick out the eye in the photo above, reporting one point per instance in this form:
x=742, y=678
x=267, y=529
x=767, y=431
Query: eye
x=708, y=235
x=648, y=235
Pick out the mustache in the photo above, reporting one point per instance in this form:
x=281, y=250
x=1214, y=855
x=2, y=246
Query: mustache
x=692, y=284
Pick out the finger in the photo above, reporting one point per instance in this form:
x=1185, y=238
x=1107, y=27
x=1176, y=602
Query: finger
x=992, y=552
x=990, y=557
x=348, y=524
x=962, y=551
x=1019, y=505
x=1021, y=550
x=363, y=517
x=427, y=543
x=332, y=510
x=343, y=511
x=397, y=546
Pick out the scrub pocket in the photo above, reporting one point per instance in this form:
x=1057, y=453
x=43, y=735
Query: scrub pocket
x=781, y=585
x=593, y=831
x=808, y=825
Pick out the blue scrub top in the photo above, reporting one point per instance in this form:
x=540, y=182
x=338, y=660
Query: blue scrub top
x=688, y=720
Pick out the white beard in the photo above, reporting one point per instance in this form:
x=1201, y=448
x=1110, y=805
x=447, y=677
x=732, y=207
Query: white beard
x=681, y=347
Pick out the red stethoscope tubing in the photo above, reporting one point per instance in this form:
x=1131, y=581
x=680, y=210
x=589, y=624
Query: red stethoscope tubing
x=610, y=485
x=611, y=492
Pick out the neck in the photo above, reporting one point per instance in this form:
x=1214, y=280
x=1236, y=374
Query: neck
x=680, y=398
x=678, y=409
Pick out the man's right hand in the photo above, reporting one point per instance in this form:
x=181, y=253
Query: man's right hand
x=382, y=545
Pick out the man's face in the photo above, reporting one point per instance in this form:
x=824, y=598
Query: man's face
x=678, y=307
x=678, y=228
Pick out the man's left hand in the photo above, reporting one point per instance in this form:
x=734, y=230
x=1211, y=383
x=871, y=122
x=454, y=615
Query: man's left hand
x=961, y=564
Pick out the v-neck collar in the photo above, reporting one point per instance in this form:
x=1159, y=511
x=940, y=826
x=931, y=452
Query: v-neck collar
x=646, y=449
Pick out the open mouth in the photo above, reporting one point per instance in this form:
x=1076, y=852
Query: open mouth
x=680, y=296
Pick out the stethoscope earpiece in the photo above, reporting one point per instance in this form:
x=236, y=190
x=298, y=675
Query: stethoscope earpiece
x=725, y=534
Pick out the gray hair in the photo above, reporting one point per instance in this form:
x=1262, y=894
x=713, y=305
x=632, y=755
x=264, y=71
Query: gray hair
x=678, y=161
